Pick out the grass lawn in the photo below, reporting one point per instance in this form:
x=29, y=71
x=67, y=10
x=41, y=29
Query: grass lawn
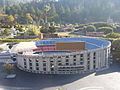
x=68, y=34
x=78, y=35
x=18, y=40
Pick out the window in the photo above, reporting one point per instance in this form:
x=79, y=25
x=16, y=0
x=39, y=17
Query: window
x=74, y=63
x=88, y=62
x=30, y=60
x=94, y=53
x=51, y=57
x=59, y=57
x=81, y=59
x=67, y=60
x=43, y=57
x=94, y=57
x=81, y=55
x=81, y=63
x=74, y=59
x=37, y=60
x=67, y=56
x=88, y=67
x=37, y=64
x=67, y=67
x=44, y=64
x=30, y=64
x=52, y=69
x=44, y=69
x=51, y=65
x=94, y=61
x=88, y=54
x=67, y=63
x=24, y=63
x=44, y=61
x=25, y=66
x=88, y=58
x=24, y=60
x=37, y=68
x=30, y=67
x=59, y=63
x=51, y=61
x=74, y=56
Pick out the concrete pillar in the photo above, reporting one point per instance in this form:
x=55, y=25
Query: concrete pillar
x=91, y=61
x=85, y=61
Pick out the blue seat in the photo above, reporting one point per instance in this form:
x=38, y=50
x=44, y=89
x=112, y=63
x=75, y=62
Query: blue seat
x=91, y=43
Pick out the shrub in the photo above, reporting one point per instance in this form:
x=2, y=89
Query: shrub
x=113, y=35
x=101, y=24
x=8, y=68
x=105, y=29
x=47, y=30
x=1, y=49
x=18, y=40
x=90, y=28
x=5, y=32
x=116, y=49
x=32, y=30
x=82, y=25
x=116, y=45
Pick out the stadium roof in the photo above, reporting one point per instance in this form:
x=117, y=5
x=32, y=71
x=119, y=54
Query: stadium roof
x=91, y=43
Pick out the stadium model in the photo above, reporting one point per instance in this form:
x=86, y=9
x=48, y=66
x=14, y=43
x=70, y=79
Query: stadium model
x=66, y=56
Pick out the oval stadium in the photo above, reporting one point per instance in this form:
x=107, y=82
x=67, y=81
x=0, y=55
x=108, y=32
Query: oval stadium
x=73, y=55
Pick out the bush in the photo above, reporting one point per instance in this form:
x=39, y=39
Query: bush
x=18, y=40
x=82, y=25
x=105, y=29
x=116, y=45
x=90, y=28
x=116, y=49
x=101, y=24
x=113, y=35
x=32, y=30
x=8, y=68
x=47, y=30
x=1, y=49
x=5, y=32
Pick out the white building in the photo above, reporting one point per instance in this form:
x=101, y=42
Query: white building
x=95, y=58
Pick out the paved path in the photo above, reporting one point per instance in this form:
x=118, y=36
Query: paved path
x=104, y=80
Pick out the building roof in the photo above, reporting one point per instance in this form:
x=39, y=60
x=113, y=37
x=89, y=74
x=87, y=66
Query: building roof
x=91, y=43
x=23, y=46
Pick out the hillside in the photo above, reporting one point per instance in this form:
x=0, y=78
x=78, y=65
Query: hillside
x=70, y=11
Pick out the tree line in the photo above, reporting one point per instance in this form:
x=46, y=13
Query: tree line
x=65, y=11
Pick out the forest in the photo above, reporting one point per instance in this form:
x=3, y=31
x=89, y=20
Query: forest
x=63, y=11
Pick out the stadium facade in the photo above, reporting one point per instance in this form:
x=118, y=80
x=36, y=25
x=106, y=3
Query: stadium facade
x=66, y=56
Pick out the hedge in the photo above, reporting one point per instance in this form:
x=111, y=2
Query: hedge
x=18, y=40
x=90, y=28
x=105, y=29
x=101, y=24
x=113, y=35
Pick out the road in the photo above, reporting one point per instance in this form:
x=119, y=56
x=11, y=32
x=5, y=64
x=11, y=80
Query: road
x=104, y=80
